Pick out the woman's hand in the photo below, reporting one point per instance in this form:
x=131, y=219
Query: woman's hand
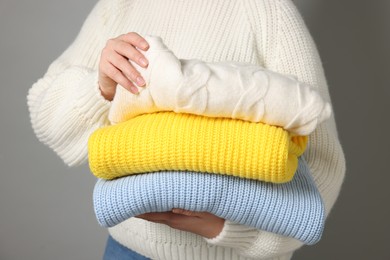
x=114, y=65
x=200, y=223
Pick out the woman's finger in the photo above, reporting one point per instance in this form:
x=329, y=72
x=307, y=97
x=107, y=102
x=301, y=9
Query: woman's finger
x=186, y=212
x=158, y=217
x=115, y=66
x=126, y=68
x=207, y=224
x=135, y=39
x=127, y=50
x=114, y=73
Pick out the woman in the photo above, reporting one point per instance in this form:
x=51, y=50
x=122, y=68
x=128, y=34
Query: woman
x=73, y=98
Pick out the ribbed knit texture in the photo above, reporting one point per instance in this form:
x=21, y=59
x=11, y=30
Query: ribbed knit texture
x=65, y=105
x=172, y=141
x=294, y=209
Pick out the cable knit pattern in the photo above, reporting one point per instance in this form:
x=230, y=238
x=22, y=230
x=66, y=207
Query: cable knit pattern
x=294, y=209
x=171, y=141
x=65, y=106
x=220, y=89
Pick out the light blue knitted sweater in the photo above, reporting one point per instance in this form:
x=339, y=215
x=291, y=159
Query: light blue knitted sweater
x=293, y=209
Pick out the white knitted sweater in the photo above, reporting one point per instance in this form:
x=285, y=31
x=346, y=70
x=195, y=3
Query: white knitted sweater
x=66, y=105
x=220, y=89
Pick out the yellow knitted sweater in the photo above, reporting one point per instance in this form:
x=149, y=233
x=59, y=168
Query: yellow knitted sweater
x=172, y=141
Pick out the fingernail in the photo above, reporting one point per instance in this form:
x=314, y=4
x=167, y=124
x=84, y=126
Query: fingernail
x=144, y=62
x=140, y=81
x=144, y=45
x=134, y=90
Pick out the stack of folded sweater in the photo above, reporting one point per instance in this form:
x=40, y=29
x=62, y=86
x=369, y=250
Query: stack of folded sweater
x=225, y=138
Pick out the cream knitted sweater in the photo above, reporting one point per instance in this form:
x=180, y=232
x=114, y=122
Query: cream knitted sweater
x=220, y=89
x=66, y=105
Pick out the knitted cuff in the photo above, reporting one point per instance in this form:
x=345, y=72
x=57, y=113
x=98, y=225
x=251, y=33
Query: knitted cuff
x=235, y=235
x=66, y=110
x=247, y=241
x=92, y=104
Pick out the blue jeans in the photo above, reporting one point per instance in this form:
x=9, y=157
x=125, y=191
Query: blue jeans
x=115, y=251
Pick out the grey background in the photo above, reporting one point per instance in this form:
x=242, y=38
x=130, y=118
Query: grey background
x=46, y=208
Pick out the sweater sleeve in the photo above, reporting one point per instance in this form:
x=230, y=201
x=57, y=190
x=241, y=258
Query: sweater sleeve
x=288, y=48
x=65, y=105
